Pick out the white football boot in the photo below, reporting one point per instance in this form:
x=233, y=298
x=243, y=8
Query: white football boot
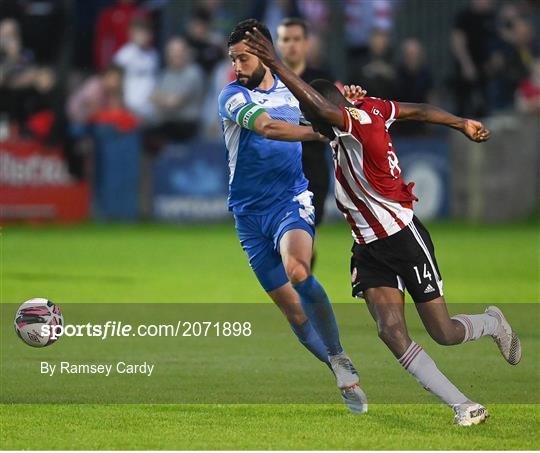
x=506, y=339
x=347, y=380
x=469, y=414
x=355, y=399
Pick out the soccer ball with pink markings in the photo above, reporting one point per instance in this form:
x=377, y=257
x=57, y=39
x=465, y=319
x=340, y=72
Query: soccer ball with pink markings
x=32, y=316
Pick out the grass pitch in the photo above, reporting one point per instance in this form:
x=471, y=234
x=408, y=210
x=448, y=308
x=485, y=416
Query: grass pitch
x=148, y=263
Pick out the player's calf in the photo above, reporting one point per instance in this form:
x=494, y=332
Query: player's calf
x=443, y=329
x=448, y=334
x=395, y=336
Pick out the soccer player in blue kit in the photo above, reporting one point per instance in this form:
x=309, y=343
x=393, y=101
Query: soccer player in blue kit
x=272, y=207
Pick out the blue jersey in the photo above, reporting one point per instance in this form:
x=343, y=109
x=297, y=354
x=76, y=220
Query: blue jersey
x=263, y=173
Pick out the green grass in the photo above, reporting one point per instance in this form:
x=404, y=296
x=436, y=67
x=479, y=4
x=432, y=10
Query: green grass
x=150, y=263
x=262, y=427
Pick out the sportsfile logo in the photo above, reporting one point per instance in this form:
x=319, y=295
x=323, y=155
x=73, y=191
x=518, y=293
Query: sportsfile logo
x=113, y=329
x=39, y=323
x=104, y=331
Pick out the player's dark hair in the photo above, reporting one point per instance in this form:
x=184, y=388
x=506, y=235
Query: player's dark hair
x=240, y=29
x=292, y=21
x=329, y=91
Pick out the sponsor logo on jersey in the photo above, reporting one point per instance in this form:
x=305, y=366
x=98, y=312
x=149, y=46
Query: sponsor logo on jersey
x=234, y=102
x=359, y=115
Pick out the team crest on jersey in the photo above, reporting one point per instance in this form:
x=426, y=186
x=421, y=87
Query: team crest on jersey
x=234, y=102
x=359, y=115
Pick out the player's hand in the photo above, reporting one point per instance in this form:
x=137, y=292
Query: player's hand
x=475, y=131
x=353, y=92
x=258, y=45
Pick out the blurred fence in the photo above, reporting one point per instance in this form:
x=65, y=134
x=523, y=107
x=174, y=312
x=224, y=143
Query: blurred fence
x=500, y=179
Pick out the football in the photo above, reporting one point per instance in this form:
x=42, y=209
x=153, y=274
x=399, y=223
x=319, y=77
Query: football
x=31, y=316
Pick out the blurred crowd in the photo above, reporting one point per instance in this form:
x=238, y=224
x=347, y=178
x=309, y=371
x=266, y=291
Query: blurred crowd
x=118, y=66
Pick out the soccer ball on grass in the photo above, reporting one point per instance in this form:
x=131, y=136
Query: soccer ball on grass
x=31, y=316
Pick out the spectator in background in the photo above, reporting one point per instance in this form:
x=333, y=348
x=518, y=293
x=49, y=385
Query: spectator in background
x=112, y=110
x=14, y=59
x=40, y=104
x=112, y=30
x=510, y=62
x=272, y=12
x=316, y=13
x=414, y=82
x=42, y=23
x=222, y=18
x=206, y=44
x=16, y=74
x=98, y=102
x=378, y=74
x=472, y=39
x=362, y=17
x=140, y=63
x=179, y=93
x=27, y=92
x=528, y=95
x=98, y=94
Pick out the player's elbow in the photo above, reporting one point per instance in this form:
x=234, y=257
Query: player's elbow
x=268, y=130
x=422, y=112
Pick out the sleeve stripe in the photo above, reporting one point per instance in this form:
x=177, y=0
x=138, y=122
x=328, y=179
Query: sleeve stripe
x=393, y=115
x=245, y=115
x=243, y=111
x=254, y=116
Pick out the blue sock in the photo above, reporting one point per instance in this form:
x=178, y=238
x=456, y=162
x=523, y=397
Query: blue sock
x=311, y=340
x=318, y=309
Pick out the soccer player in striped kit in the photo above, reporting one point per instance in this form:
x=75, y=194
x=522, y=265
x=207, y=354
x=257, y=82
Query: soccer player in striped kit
x=392, y=250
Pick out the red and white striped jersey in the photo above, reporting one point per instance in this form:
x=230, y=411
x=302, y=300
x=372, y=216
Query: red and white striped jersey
x=369, y=189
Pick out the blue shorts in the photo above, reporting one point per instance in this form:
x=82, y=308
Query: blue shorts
x=260, y=236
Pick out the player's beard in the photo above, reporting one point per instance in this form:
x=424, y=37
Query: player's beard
x=256, y=78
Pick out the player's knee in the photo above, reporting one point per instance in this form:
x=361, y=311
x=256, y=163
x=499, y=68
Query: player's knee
x=297, y=271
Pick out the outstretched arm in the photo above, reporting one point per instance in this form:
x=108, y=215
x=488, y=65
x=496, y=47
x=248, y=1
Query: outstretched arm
x=472, y=129
x=262, y=48
x=282, y=130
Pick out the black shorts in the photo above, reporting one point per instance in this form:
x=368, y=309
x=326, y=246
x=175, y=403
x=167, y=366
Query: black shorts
x=404, y=260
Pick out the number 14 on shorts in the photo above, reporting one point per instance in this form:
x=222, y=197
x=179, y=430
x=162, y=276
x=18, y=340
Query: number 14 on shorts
x=426, y=273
